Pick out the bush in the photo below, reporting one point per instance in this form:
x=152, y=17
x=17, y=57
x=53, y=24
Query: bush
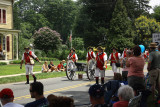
x=48, y=59
x=15, y=62
x=3, y=63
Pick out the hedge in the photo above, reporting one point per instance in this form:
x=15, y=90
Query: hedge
x=3, y=63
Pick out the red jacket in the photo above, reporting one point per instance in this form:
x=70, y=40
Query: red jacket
x=90, y=56
x=72, y=57
x=124, y=54
x=100, y=61
x=113, y=60
x=26, y=57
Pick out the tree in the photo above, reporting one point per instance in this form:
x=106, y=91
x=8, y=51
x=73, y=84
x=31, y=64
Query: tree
x=46, y=39
x=78, y=43
x=156, y=13
x=145, y=27
x=61, y=14
x=121, y=33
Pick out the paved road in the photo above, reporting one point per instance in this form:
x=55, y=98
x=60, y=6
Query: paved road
x=59, y=86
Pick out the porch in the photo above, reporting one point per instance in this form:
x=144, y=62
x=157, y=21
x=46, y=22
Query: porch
x=8, y=45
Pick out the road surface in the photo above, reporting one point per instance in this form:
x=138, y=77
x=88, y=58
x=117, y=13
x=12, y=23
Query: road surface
x=60, y=86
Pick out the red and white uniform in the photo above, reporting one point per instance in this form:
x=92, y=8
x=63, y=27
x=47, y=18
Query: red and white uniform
x=73, y=57
x=124, y=54
x=28, y=66
x=90, y=55
x=113, y=57
x=100, y=59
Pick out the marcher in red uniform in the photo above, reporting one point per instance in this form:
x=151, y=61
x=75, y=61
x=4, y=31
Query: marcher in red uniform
x=101, y=60
x=28, y=56
x=72, y=56
x=90, y=54
x=114, y=58
x=124, y=53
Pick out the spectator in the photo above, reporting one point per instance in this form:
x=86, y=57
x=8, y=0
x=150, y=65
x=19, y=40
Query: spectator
x=45, y=67
x=7, y=97
x=36, y=91
x=64, y=63
x=60, y=101
x=60, y=66
x=136, y=65
x=52, y=67
x=123, y=65
x=154, y=68
x=96, y=93
x=159, y=48
x=125, y=93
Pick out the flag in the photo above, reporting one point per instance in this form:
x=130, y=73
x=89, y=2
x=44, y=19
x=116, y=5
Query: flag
x=70, y=38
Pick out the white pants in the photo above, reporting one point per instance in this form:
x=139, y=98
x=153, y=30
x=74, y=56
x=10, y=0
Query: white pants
x=29, y=69
x=114, y=67
x=101, y=72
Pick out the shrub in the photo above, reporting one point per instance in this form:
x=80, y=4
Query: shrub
x=15, y=62
x=3, y=63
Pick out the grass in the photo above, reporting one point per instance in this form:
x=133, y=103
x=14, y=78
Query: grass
x=39, y=76
x=15, y=69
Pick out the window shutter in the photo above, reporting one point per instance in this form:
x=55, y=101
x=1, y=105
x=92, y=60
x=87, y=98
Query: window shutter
x=0, y=16
x=4, y=16
x=8, y=44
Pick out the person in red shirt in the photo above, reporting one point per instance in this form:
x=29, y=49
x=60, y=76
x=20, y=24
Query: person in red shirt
x=28, y=56
x=125, y=93
x=72, y=56
x=60, y=66
x=90, y=54
x=101, y=60
x=124, y=53
x=114, y=58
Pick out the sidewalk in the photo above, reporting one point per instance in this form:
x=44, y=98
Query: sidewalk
x=14, y=75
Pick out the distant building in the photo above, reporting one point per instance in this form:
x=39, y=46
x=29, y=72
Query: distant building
x=8, y=36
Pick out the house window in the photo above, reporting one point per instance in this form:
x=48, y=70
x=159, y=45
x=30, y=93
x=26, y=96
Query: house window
x=8, y=44
x=4, y=43
x=2, y=16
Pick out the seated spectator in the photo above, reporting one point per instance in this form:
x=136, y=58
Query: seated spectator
x=45, y=67
x=60, y=67
x=60, y=101
x=96, y=93
x=52, y=67
x=64, y=63
x=7, y=97
x=36, y=91
x=125, y=93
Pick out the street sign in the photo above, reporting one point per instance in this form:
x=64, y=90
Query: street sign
x=156, y=38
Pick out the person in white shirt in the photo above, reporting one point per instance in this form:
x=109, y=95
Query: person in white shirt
x=28, y=56
x=73, y=56
x=90, y=55
x=101, y=60
x=7, y=98
x=114, y=58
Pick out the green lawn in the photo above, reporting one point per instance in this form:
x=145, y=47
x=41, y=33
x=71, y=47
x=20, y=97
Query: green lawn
x=39, y=76
x=15, y=68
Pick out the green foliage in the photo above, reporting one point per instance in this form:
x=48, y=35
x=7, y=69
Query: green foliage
x=78, y=43
x=15, y=62
x=121, y=33
x=156, y=13
x=46, y=39
x=3, y=63
x=145, y=27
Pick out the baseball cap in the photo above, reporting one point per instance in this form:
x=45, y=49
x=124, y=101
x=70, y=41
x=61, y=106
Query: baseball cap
x=6, y=93
x=96, y=91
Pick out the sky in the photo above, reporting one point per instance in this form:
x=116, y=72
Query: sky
x=152, y=3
